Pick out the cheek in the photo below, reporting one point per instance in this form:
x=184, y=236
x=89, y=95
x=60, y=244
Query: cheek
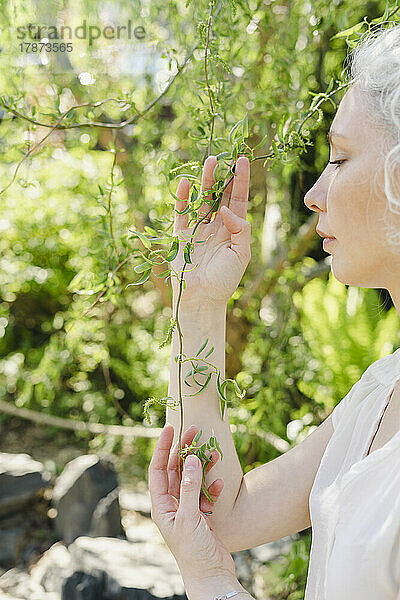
x=349, y=193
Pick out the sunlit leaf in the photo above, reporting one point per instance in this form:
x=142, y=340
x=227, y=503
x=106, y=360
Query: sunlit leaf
x=202, y=347
x=141, y=237
x=144, y=278
x=173, y=251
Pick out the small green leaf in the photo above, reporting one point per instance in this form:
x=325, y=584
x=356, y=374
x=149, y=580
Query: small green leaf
x=186, y=253
x=348, y=32
x=173, y=251
x=163, y=274
x=188, y=176
x=245, y=127
x=238, y=391
x=184, y=211
x=203, y=387
x=144, y=278
x=150, y=230
x=209, y=352
x=280, y=128
x=198, y=382
x=233, y=131
x=202, y=347
x=265, y=138
x=219, y=448
x=200, y=368
x=141, y=268
x=222, y=397
x=197, y=437
x=188, y=374
x=141, y=237
x=193, y=195
x=223, y=155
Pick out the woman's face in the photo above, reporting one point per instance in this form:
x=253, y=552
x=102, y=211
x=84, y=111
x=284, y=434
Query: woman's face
x=351, y=201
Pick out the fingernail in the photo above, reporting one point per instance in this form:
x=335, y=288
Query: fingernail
x=192, y=462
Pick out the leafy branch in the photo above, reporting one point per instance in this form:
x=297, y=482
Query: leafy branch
x=291, y=136
x=7, y=103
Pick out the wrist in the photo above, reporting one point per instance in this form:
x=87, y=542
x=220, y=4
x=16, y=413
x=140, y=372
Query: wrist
x=208, y=587
x=200, y=309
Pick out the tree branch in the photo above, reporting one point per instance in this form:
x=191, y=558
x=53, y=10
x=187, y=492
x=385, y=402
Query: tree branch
x=138, y=431
x=120, y=125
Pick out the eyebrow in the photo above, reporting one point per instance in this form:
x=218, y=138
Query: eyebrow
x=331, y=134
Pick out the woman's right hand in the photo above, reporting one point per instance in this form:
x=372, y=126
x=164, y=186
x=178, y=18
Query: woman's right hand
x=223, y=258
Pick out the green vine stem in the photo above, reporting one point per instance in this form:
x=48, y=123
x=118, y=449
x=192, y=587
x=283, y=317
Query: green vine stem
x=290, y=140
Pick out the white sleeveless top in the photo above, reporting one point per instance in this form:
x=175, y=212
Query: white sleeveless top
x=355, y=499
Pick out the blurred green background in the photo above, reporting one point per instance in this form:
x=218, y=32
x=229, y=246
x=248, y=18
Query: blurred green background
x=297, y=339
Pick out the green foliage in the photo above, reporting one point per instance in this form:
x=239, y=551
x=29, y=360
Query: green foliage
x=86, y=244
x=345, y=332
x=286, y=578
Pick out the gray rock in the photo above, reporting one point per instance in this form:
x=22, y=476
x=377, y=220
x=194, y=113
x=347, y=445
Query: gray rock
x=146, y=531
x=106, y=518
x=135, y=571
x=85, y=586
x=272, y=550
x=139, y=502
x=10, y=542
x=17, y=584
x=77, y=491
x=53, y=567
x=21, y=478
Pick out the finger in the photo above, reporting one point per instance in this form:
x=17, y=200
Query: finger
x=174, y=459
x=214, y=458
x=214, y=490
x=173, y=469
x=190, y=489
x=207, y=181
x=182, y=192
x=240, y=230
x=226, y=196
x=157, y=474
x=240, y=189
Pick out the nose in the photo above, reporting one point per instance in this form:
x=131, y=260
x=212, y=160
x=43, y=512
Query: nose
x=315, y=198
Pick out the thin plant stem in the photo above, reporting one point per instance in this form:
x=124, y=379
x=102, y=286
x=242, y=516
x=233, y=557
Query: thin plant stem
x=206, y=76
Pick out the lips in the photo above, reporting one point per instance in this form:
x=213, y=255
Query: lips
x=325, y=235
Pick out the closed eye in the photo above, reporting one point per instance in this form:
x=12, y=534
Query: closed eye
x=336, y=162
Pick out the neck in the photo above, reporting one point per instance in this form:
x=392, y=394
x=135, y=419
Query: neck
x=395, y=296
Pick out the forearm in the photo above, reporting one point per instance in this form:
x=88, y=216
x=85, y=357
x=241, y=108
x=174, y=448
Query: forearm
x=204, y=409
x=210, y=587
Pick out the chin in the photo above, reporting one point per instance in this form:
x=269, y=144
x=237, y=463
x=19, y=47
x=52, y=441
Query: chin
x=350, y=275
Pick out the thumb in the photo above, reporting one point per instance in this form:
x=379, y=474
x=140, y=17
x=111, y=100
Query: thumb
x=190, y=487
x=240, y=230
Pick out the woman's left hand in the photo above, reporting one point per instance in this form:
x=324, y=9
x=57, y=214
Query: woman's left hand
x=186, y=530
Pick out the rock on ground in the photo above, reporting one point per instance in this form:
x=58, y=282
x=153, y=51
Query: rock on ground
x=21, y=478
x=77, y=491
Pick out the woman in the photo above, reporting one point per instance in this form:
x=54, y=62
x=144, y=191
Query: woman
x=344, y=478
